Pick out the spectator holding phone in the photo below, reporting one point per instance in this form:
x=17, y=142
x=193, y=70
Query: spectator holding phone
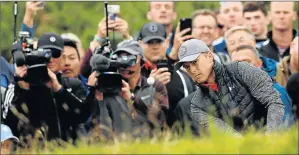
x=178, y=83
x=118, y=25
x=204, y=25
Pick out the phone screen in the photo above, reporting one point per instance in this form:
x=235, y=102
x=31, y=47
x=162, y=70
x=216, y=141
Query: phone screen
x=113, y=11
x=186, y=23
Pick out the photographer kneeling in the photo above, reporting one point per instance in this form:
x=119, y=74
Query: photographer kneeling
x=44, y=104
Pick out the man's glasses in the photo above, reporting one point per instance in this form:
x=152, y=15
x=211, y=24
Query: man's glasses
x=155, y=41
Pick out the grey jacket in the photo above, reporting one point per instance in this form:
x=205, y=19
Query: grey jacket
x=244, y=92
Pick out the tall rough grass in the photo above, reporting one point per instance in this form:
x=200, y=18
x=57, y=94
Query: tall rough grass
x=252, y=142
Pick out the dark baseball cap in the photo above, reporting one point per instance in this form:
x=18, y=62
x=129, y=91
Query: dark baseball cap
x=190, y=50
x=131, y=47
x=151, y=31
x=51, y=41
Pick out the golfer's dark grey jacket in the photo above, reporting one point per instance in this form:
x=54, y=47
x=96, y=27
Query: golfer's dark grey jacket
x=244, y=92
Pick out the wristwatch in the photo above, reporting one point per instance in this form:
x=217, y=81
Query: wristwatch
x=132, y=96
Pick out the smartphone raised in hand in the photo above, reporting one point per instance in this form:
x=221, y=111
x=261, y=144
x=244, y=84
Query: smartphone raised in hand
x=113, y=11
x=186, y=23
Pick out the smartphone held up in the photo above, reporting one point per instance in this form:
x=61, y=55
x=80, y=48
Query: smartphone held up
x=186, y=23
x=113, y=11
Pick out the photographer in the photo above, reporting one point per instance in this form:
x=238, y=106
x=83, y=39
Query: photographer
x=140, y=89
x=53, y=108
x=178, y=83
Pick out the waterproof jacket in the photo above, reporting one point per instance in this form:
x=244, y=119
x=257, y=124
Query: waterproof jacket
x=245, y=93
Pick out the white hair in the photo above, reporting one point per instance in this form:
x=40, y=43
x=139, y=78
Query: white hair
x=72, y=37
x=238, y=28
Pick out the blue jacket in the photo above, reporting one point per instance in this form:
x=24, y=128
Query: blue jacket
x=270, y=66
x=31, y=30
x=6, y=73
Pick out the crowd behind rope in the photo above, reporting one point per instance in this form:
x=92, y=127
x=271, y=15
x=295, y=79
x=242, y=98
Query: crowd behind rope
x=228, y=65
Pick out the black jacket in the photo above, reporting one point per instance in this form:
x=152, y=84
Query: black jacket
x=56, y=114
x=270, y=49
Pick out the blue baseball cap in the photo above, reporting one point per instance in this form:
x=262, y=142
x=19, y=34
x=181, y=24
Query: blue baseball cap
x=7, y=134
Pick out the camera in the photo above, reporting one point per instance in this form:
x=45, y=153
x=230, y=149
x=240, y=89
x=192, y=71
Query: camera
x=110, y=80
x=26, y=41
x=36, y=60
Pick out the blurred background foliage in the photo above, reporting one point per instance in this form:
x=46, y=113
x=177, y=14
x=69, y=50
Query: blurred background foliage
x=82, y=18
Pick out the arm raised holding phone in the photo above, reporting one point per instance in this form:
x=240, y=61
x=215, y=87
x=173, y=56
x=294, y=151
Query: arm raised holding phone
x=182, y=33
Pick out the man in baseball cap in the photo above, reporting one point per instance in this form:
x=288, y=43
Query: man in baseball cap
x=151, y=31
x=130, y=50
x=153, y=41
x=55, y=43
x=138, y=84
x=237, y=86
x=190, y=51
x=7, y=139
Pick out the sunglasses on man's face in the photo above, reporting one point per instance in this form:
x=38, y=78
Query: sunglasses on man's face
x=155, y=41
x=55, y=53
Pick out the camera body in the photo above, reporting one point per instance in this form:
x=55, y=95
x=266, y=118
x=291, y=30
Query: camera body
x=26, y=41
x=36, y=60
x=107, y=65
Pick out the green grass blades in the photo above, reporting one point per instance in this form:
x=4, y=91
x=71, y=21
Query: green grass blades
x=252, y=142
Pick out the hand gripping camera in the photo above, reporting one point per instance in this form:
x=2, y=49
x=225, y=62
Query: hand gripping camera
x=35, y=60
